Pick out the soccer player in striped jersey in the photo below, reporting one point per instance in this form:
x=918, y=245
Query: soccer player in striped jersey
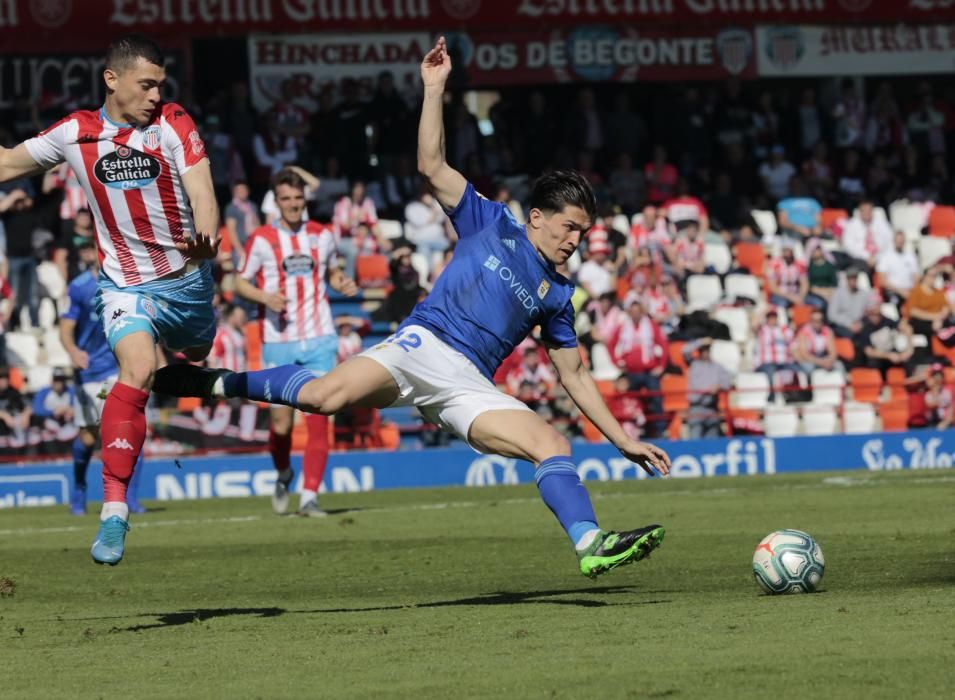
x=287, y=265
x=143, y=167
x=502, y=282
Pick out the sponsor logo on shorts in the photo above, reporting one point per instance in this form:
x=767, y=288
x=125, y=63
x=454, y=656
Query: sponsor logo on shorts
x=151, y=138
x=127, y=169
x=117, y=314
x=148, y=307
x=118, y=326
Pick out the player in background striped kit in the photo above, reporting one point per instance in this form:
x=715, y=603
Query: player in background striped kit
x=143, y=167
x=288, y=263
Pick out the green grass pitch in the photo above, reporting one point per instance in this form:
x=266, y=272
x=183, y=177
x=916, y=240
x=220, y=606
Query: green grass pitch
x=459, y=593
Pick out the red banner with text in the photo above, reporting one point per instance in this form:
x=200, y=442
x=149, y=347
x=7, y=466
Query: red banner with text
x=75, y=23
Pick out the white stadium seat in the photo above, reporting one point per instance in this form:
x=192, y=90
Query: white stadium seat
x=621, y=223
x=39, y=377
x=858, y=417
x=23, y=350
x=56, y=355
x=51, y=279
x=718, y=256
x=766, y=221
x=703, y=291
x=726, y=353
x=390, y=228
x=890, y=311
x=819, y=420
x=781, y=421
x=47, y=313
x=932, y=249
x=742, y=286
x=602, y=365
x=737, y=319
x=827, y=387
x=752, y=390
x=908, y=218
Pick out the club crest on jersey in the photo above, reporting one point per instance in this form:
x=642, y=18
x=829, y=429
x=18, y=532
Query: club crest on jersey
x=151, y=138
x=298, y=265
x=543, y=289
x=127, y=169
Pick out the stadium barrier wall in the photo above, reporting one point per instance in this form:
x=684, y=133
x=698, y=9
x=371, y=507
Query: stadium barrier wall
x=227, y=476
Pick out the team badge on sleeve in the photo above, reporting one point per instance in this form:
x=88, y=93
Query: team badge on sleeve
x=197, y=146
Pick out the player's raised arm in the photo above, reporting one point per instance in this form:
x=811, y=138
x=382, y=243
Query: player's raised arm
x=16, y=163
x=197, y=182
x=446, y=182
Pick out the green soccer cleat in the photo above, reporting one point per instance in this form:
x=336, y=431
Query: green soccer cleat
x=612, y=549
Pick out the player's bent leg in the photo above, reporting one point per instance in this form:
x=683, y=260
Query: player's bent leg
x=525, y=435
x=280, y=448
x=314, y=462
x=123, y=429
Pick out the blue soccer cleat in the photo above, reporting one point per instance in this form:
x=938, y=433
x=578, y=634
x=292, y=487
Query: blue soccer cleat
x=110, y=541
x=135, y=506
x=78, y=501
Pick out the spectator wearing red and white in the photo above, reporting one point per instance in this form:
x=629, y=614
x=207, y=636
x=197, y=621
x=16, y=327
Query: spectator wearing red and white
x=352, y=211
x=687, y=254
x=605, y=318
x=291, y=119
x=686, y=207
x=939, y=405
x=865, y=237
x=597, y=275
x=228, y=348
x=6, y=310
x=350, y=329
x=665, y=303
x=898, y=269
x=650, y=230
x=776, y=174
x=533, y=371
x=661, y=176
x=640, y=348
x=625, y=407
x=773, y=351
x=815, y=345
x=786, y=278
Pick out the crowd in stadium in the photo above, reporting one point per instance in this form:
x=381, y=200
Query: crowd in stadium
x=759, y=241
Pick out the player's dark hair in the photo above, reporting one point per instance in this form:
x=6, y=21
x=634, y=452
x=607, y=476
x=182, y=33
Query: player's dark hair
x=124, y=51
x=557, y=189
x=289, y=177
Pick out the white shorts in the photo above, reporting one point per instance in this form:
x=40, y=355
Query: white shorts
x=89, y=400
x=439, y=381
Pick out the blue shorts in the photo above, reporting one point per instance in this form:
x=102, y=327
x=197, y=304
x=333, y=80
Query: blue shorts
x=315, y=354
x=178, y=313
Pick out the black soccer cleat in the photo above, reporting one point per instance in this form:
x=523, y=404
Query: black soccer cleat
x=188, y=380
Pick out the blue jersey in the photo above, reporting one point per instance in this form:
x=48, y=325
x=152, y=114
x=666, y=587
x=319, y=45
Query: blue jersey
x=89, y=334
x=802, y=211
x=496, y=289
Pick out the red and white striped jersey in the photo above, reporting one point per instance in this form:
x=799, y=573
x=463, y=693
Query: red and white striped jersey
x=689, y=252
x=228, y=349
x=786, y=276
x=132, y=177
x=774, y=345
x=295, y=265
x=818, y=342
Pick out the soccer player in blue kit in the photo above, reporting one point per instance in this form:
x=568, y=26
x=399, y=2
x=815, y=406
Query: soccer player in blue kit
x=501, y=283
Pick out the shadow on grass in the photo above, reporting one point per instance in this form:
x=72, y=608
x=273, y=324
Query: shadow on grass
x=185, y=617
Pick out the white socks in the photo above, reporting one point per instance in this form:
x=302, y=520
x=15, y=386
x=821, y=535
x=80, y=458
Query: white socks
x=111, y=508
x=218, y=389
x=307, y=497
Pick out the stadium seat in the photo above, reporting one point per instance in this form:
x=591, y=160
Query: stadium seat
x=602, y=366
x=372, y=271
x=781, y=421
x=605, y=387
x=908, y=218
x=751, y=256
x=895, y=380
x=858, y=417
x=47, y=314
x=941, y=222
x=726, y=353
x=819, y=420
x=422, y=266
x=188, y=404
x=621, y=223
x=39, y=377
x=674, y=387
x=890, y=311
x=939, y=350
x=50, y=278
x=866, y=384
x=752, y=391
x=931, y=250
x=765, y=221
x=827, y=387
x=56, y=355
x=590, y=431
x=895, y=414
x=830, y=218
x=676, y=355
x=845, y=349
x=23, y=350
x=390, y=229
x=745, y=286
x=800, y=314
x=718, y=256
x=703, y=291
x=737, y=320
x=17, y=380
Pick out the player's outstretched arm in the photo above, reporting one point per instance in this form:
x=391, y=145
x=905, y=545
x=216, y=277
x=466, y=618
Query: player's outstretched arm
x=205, y=241
x=576, y=379
x=447, y=183
x=16, y=163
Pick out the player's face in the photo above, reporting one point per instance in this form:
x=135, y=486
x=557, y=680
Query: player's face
x=136, y=90
x=557, y=236
x=291, y=203
x=88, y=256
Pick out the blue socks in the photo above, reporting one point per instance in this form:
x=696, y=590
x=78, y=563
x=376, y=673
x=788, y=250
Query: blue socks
x=81, y=460
x=567, y=498
x=279, y=385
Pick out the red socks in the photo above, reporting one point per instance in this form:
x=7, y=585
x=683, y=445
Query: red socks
x=316, y=451
x=124, y=432
x=280, y=447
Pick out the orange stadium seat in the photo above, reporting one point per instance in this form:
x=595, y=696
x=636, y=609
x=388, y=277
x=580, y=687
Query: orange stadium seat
x=751, y=256
x=16, y=378
x=674, y=388
x=372, y=271
x=676, y=355
x=941, y=222
x=591, y=433
x=895, y=414
x=845, y=349
x=799, y=315
x=895, y=379
x=829, y=217
x=253, y=345
x=188, y=404
x=605, y=387
x=866, y=384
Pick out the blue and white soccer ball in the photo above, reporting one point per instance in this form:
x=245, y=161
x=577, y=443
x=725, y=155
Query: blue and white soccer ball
x=788, y=561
